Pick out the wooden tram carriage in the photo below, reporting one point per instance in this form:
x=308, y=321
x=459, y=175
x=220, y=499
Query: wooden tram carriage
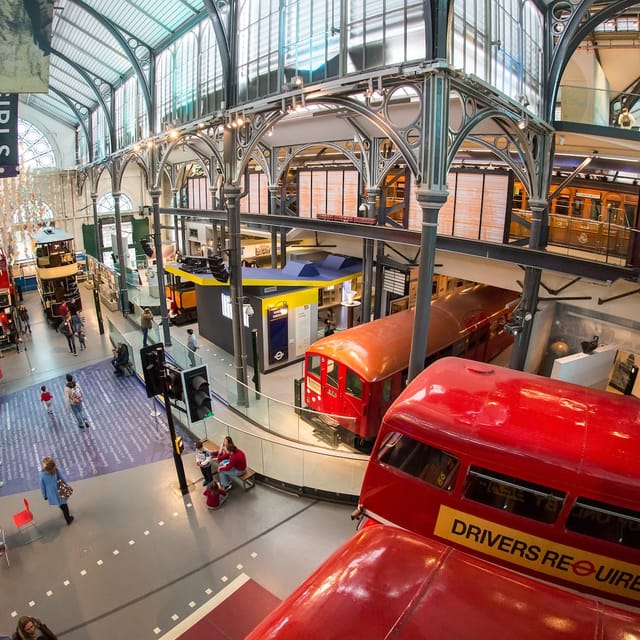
x=353, y=376
x=56, y=272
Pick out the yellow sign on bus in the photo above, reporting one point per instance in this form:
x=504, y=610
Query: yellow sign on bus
x=538, y=554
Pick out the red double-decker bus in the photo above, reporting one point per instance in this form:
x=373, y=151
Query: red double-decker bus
x=535, y=474
x=387, y=583
x=497, y=504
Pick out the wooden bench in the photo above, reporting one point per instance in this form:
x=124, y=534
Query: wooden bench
x=248, y=479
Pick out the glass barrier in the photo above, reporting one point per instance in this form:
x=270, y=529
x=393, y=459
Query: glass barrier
x=288, y=421
x=590, y=105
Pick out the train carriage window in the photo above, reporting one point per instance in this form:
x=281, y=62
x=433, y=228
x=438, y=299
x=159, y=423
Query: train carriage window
x=514, y=495
x=332, y=373
x=386, y=391
x=353, y=384
x=429, y=464
x=459, y=348
x=605, y=522
x=313, y=365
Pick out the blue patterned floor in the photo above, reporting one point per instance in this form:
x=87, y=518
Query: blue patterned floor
x=124, y=432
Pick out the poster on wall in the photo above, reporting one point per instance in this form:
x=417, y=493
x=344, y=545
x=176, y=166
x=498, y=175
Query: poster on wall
x=303, y=329
x=624, y=374
x=25, y=45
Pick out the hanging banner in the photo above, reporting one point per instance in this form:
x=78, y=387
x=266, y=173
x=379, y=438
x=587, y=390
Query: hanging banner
x=25, y=45
x=9, y=161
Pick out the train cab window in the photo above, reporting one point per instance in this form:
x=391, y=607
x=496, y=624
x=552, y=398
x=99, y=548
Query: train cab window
x=386, y=391
x=429, y=464
x=605, y=522
x=332, y=373
x=514, y=495
x=459, y=348
x=313, y=365
x=353, y=384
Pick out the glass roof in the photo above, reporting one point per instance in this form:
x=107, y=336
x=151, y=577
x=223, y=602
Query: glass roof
x=89, y=47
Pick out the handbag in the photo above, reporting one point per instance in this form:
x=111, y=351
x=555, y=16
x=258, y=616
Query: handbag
x=64, y=490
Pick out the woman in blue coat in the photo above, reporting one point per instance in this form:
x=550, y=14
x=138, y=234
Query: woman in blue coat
x=49, y=485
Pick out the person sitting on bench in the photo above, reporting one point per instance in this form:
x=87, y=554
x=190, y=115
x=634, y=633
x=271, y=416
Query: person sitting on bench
x=235, y=465
x=122, y=358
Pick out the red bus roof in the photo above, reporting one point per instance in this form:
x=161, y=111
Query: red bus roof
x=377, y=349
x=390, y=583
x=539, y=427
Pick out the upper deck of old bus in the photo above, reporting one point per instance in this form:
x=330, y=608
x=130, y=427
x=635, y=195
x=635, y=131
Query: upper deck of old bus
x=478, y=445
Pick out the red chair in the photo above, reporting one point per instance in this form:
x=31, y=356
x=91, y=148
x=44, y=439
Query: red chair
x=24, y=519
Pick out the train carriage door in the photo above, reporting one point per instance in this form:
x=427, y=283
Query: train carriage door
x=331, y=386
x=478, y=337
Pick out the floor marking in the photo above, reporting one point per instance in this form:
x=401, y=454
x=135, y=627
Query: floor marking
x=99, y=563
x=224, y=579
x=66, y=583
x=49, y=593
x=32, y=603
x=157, y=630
x=14, y=614
x=116, y=552
x=192, y=604
x=239, y=567
x=161, y=523
x=208, y=591
x=175, y=617
x=146, y=532
x=206, y=608
x=131, y=543
x=83, y=572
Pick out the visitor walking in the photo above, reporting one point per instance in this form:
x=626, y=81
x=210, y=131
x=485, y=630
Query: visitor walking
x=23, y=315
x=29, y=628
x=46, y=398
x=66, y=329
x=49, y=477
x=192, y=345
x=75, y=402
x=146, y=322
x=77, y=327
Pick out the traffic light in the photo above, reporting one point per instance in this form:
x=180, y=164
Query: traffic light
x=218, y=268
x=174, y=382
x=178, y=444
x=195, y=383
x=152, y=358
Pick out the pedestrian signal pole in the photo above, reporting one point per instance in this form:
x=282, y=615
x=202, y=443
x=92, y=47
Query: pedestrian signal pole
x=156, y=381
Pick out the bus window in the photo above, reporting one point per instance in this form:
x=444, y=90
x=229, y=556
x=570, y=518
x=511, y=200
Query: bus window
x=433, y=466
x=353, y=384
x=332, y=373
x=605, y=522
x=517, y=496
x=313, y=365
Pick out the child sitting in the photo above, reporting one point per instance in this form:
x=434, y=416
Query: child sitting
x=216, y=496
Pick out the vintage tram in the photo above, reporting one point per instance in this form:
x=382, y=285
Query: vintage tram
x=57, y=273
x=353, y=376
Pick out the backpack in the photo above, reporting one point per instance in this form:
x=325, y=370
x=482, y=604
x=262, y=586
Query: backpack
x=625, y=121
x=76, y=395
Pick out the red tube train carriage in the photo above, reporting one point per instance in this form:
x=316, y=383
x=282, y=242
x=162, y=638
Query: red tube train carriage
x=353, y=376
